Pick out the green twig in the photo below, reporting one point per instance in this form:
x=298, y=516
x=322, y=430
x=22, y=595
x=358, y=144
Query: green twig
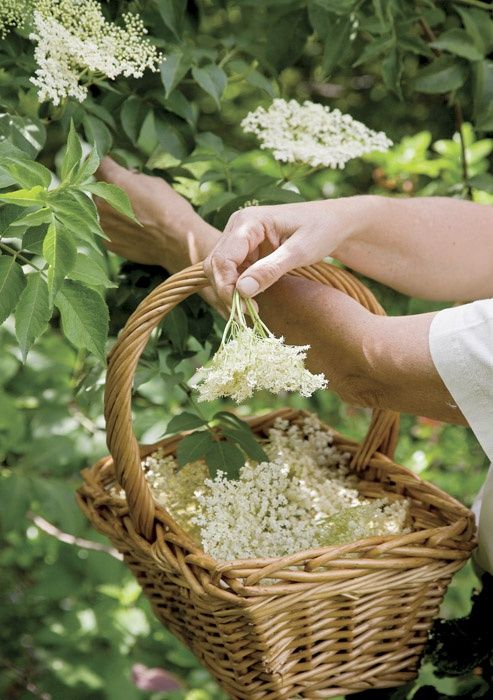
x=17, y=254
x=459, y=121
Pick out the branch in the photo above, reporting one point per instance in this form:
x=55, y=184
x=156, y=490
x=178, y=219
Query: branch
x=459, y=121
x=65, y=537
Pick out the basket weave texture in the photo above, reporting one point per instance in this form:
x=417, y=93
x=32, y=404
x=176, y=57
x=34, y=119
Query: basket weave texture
x=316, y=624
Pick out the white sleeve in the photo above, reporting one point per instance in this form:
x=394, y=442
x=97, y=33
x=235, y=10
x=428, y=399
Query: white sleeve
x=461, y=345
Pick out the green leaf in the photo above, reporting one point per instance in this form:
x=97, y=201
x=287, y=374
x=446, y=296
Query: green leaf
x=25, y=172
x=460, y=43
x=34, y=218
x=12, y=283
x=25, y=197
x=479, y=27
x=170, y=138
x=73, y=155
x=84, y=317
x=336, y=44
x=175, y=328
x=193, y=447
x=479, y=182
x=185, y=421
x=33, y=239
x=87, y=168
x=78, y=213
x=27, y=133
x=240, y=432
x=178, y=104
x=172, y=13
x=392, y=71
x=443, y=75
x=32, y=312
x=115, y=196
x=174, y=69
x=212, y=79
x=88, y=271
x=225, y=456
x=97, y=133
x=147, y=140
x=60, y=252
x=132, y=115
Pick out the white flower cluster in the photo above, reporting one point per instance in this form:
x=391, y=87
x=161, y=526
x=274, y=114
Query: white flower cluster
x=303, y=497
x=249, y=363
x=13, y=14
x=312, y=133
x=75, y=44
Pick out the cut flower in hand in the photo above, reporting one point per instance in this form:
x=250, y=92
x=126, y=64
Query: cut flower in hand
x=251, y=359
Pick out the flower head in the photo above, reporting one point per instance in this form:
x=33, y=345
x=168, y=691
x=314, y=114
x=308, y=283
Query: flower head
x=303, y=497
x=75, y=44
x=312, y=133
x=251, y=359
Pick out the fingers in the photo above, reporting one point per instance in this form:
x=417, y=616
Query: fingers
x=238, y=244
x=268, y=270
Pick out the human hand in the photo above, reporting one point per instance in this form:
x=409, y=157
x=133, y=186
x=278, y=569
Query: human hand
x=260, y=244
x=172, y=234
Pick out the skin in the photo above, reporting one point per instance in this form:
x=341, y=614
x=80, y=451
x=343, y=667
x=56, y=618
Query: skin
x=424, y=247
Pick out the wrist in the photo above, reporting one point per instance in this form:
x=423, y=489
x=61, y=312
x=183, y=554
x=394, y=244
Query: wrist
x=358, y=216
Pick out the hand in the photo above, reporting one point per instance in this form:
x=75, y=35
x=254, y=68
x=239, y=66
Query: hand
x=260, y=244
x=171, y=235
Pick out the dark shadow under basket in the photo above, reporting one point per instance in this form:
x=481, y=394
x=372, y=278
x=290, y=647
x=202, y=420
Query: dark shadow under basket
x=316, y=624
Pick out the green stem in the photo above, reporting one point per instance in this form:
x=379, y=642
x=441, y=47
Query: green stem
x=17, y=254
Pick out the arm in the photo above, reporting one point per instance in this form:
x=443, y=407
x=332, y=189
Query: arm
x=374, y=361
x=430, y=247
x=369, y=360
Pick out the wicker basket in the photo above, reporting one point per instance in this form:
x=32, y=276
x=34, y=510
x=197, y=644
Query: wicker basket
x=329, y=621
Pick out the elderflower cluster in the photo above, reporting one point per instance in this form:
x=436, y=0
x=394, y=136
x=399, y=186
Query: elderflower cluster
x=303, y=497
x=76, y=44
x=251, y=359
x=13, y=14
x=312, y=133
x=249, y=363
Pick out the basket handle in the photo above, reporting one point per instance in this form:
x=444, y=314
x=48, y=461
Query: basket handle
x=121, y=440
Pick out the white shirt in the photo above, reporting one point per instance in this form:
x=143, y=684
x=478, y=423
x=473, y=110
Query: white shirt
x=461, y=345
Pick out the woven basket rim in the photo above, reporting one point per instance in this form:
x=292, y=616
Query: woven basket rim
x=372, y=546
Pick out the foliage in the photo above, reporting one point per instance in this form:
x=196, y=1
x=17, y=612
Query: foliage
x=417, y=70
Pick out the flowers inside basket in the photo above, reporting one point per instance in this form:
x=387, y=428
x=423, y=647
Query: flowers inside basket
x=345, y=604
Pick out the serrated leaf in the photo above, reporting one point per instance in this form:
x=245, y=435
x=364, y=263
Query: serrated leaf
x=32, y=312
x=240, y=432
x=443, y=75
x=226, y=457
x=87, y=168
x=12, y=283
x=34, y=218
x=460, y=43
x=78, y=213
x=84, y=316
x=212, y=79
x=115, y=196
x=73, y=154
x=27, y=173
x=185, y=421
x=60, y=252
x=25, y=197
x=173, y=70
x=88, y=271
x=33, y=239
x=193, y=447
x=26, y=133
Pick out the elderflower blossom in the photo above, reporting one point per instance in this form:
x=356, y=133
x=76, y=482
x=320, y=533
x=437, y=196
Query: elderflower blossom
x=253, y=359
x=312, y=133
x=75, y=43
x=13, y=14
x=305, y=496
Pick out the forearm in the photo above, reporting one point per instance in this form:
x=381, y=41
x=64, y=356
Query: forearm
x=430, y=247
x=370, y=360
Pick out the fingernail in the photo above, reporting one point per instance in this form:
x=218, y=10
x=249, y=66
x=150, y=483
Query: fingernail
x=247, y=286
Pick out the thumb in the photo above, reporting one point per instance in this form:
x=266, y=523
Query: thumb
x=263, y=273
